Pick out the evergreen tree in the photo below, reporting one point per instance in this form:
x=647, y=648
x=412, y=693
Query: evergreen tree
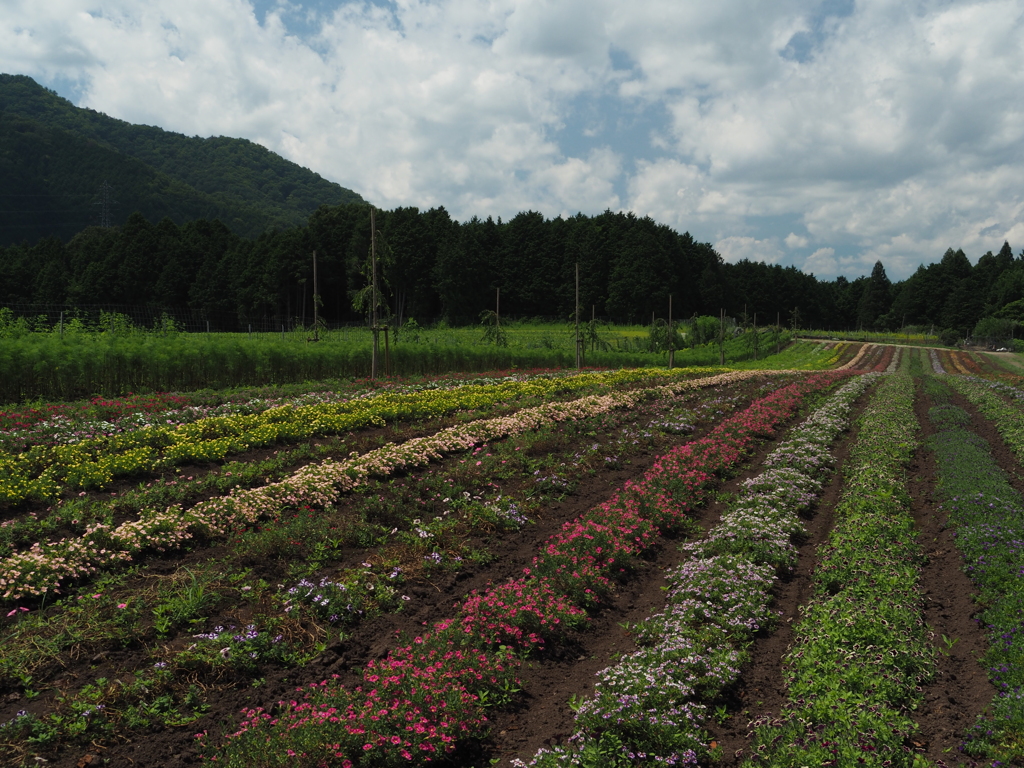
x=876, y=300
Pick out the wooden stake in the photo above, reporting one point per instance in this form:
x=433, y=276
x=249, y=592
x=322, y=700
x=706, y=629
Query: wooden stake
x=373, y=293
x=316, y=300
x=671, y=351
x=577, y=315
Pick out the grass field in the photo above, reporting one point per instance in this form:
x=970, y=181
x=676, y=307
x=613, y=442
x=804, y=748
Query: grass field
x=51, y=366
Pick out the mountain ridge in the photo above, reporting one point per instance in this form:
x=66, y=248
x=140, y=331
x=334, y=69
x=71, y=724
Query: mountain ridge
x=54, y=156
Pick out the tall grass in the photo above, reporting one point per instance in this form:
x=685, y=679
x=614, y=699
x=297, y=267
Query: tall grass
x=47, y=366
x=915, y=338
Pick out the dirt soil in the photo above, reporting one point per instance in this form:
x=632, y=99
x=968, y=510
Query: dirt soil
x=959, y=692
x=432, y=600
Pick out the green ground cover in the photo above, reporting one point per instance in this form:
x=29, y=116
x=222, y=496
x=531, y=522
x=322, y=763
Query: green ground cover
x=866, y=605
x=986, y=512
x=876, y=337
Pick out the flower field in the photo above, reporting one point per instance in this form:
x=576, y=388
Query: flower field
x=639, y=567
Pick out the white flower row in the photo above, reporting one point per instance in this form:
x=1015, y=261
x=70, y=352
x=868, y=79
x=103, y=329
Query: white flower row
x=40, y=570
x=652, y=701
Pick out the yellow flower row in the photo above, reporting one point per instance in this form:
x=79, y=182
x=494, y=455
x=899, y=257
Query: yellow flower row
x=40, y=570
x=837, y=353
x=43, y=472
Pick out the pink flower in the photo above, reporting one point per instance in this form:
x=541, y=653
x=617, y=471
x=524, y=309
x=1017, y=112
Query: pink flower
x=122, y=605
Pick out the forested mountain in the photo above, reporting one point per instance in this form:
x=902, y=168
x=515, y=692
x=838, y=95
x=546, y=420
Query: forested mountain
x=54, y=158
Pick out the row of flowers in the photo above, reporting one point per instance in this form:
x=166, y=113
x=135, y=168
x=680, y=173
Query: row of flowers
x=854, y=362
x=44, y=472
x=19, y=426
x=650, y=708
x=62, y=422
x=68, y=423
x=425, y=697
x=40, y=570
x=436, y=520
x=861, y=649
x=986, y=514
x=990, y=397
x=837, y=354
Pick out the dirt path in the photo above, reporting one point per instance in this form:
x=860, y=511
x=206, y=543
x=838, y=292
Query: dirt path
x=960, y=690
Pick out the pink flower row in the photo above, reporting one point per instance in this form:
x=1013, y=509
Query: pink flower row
x=422, y=698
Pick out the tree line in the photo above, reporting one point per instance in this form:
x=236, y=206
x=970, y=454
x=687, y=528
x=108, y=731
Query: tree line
x=432, y=267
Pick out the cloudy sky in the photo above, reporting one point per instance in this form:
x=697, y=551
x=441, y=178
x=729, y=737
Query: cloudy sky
x=823, y=134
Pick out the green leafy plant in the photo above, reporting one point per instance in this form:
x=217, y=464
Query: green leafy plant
x=184, y=599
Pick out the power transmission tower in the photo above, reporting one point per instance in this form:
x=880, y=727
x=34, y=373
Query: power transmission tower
x=105, y=202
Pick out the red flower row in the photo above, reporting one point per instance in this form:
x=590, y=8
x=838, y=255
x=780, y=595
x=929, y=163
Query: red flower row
x=416, y=703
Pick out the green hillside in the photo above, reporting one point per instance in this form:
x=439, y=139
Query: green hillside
x=54, y=157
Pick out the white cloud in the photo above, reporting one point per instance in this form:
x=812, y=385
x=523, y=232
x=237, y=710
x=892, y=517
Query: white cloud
x=668, y=191
x=893, y=131
x=733, y=249
x=822, y=263
x=1015, y=235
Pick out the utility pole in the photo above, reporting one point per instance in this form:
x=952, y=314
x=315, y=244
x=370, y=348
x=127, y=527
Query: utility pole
x=721, y=337
x=373, y=292
x=316, y=302
x=577, y=315
x=671, y=349
x=756, y=340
